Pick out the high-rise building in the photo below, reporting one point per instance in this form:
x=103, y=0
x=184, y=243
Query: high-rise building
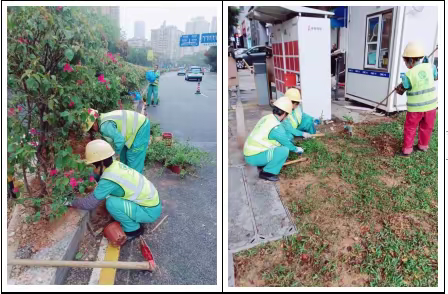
x=165, y=42
x=197, y=25
x=213, y=27
x=139, y=29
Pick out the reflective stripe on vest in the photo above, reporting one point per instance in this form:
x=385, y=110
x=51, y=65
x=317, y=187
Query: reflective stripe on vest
x=258, y=140
x=422, y=95
x=295, y=117
x=123, y=118
x=136, y=187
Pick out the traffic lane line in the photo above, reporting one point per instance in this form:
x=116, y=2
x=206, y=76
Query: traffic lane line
x=107, y=275
x=95, y=276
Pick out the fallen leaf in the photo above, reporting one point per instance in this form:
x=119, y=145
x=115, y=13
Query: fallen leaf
x=78, y=256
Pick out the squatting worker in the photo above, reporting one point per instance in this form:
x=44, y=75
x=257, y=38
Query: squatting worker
x=131, y=199
x=418, y=83
x=298, y=123
x=153, y=89
x=127, y=131
x=268, y=145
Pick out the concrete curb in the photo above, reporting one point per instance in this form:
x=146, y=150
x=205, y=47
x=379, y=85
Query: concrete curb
x=61, y=272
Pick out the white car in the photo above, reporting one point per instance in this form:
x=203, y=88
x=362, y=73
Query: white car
x=194, y=74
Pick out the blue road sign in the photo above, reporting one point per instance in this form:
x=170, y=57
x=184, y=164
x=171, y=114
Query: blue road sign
x=208, y=39
x=189, y=40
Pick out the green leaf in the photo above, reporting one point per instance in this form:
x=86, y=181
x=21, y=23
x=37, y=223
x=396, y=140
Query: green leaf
x=51, y=104
x=81, y=189
x=65, y=113
x=69, y=54
x=31, y=84
x=65, y=181
x=78, y=256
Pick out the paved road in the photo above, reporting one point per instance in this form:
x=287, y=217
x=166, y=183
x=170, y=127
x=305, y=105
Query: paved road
x=184, y=246
x=186, y=114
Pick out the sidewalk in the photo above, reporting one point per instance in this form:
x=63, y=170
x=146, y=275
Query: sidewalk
x=256, y=212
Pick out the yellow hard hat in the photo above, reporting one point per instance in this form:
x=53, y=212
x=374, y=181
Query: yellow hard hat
x=89, y=122
x=98, y=150
x=284, y=103
x=294, y=95
x=414, y=49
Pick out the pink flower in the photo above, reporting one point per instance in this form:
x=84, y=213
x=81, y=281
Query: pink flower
x=21, y=40
x=80, y=180
x=72, y=104
x=20, y=108
x=91, y=179
x=68, y=68
x=107, y=87
x=101, y=79
x=33, y=131
x=59, y=8
x=53, y=172
x=15, y=190
x=95, y=115
x=35, y=144
x=11, y=111
x=73, y=182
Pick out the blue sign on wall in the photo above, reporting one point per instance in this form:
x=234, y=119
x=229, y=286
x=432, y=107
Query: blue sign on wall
x=189, y=40
x=208, y=39
x=369, y=72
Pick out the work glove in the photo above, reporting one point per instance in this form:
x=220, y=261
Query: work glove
x=306, y=135
x=299, y=150
x=400, y=89
x=317, y=122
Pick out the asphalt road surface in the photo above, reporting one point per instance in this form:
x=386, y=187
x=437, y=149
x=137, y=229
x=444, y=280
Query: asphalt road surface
x=184, y=245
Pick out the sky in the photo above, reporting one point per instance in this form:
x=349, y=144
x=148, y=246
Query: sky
x=154, y=17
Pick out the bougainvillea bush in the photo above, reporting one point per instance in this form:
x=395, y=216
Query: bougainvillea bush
x=58, y=68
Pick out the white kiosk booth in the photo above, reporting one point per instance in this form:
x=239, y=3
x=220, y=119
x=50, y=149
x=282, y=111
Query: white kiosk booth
x=301, y=47
x=377, y=36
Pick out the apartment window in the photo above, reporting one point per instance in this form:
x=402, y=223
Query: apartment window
x=378, y=36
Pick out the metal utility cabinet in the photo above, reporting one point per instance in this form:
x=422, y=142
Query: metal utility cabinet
x=301, y=51
x=377, y=36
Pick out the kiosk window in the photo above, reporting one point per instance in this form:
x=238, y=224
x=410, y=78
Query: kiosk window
x=378, y=35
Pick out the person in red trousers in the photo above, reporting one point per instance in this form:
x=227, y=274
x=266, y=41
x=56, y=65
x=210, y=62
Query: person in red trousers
x=418, y=83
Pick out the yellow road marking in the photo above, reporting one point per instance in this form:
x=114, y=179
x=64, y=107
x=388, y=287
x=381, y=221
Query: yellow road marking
x=107, y=275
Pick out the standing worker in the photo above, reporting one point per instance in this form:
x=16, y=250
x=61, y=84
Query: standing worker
x=126, y=130
x=298, y=123
x=268, y=145
x=131, y=199
x=418, y=83
x=153, y=89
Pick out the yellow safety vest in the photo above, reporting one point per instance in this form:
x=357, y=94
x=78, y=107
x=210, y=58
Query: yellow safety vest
x=128, y=123
x=295, y=117
x=258, y=140
x=422, y=96
x=137, y=188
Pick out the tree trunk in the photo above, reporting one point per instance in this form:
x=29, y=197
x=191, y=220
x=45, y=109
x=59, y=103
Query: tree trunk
x=25, y=180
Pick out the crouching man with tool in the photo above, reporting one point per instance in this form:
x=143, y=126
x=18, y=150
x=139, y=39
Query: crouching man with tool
x=131, y=199
x=298, y=123
x=127, y=131
x=418, y=83
x=268, y=145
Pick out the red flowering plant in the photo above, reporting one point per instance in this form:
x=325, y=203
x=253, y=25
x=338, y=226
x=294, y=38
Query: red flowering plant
x=53, y=54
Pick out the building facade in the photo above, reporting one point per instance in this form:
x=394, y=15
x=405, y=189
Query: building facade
x=112, y=11
x=165, y=42
x=197, y=25
x=213, y=26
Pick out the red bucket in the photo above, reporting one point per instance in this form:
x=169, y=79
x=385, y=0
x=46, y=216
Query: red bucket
x=175, y=169
x=115, y=234
x=167, y=135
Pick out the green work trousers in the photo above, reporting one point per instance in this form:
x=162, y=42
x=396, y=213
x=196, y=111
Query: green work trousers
x=130, y=215
x=153, y=91
x=272, y=159
x=135, y=156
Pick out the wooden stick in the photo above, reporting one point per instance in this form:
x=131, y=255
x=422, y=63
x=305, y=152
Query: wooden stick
x=159, y=224
x=295, y=161
x=318, y=135
x=85, y=264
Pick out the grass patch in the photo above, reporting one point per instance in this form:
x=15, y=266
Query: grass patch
x=353, y=212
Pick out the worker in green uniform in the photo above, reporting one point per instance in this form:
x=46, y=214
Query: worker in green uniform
x=127, y=131
x=268, y=144
x=153, y=89
x=131, y=199
x=298, y=123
